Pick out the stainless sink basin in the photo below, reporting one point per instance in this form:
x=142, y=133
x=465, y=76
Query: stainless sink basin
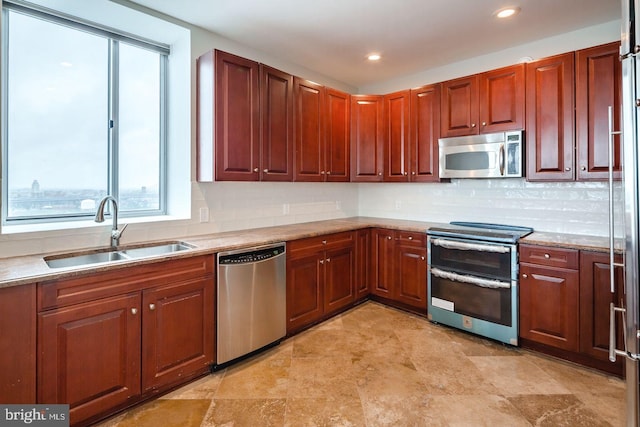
x=110, y=255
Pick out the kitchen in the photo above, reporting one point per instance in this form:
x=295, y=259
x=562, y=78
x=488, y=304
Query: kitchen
x=554, y=207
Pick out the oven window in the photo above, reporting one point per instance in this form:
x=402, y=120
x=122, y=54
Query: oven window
x=473, y=262
x=490, y=304
x=468, y=161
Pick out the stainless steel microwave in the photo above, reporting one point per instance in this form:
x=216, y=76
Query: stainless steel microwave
x=490, y=155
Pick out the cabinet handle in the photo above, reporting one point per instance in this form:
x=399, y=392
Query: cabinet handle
x=324, y=242
x=484, y=123
x=388, y=237
x=413, y=173
x=379, y=173
x=152, y=307
x=328, y=172
x=568, y=169
x=422, y=258
x=328, y=260
x=584, y=168
x=134, y=311
x=547, y=256
x=473, y=125
x=321, y=172
x=410, y=237
x=321, y=261
x=405, y=174
x=265, y=170
x=256, y=170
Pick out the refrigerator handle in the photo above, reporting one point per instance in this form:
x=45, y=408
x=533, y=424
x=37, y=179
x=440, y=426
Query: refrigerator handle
x=613, y=351
x=612, y=263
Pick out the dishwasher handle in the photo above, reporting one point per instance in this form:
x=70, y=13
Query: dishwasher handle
x=251, y=255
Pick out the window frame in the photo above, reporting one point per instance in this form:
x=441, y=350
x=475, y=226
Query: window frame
x=114, y=38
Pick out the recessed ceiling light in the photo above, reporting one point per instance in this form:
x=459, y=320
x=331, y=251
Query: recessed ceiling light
x=374, y=57
x=507, y=12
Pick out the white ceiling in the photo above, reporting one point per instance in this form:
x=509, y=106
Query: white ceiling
x=333, y=37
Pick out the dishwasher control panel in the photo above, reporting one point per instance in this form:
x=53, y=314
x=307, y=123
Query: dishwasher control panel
x=251, y=255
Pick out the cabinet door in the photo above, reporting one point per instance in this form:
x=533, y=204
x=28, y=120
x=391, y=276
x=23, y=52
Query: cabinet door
x=549, y=306
x=595, y=297
x=598, y=86
x=305, y=279
x=337, y=159
x=237, y=131
x=309, y=130
x=177, y=332
x=276, y=122
x=550, y=119
x=18, y=344
x=363, y=263
x=339, y=287
x=459, y=111
x=396, y=143
x=424, y=133
x=89, y=355
x=367, y=135
x=382, y=262
x=411, y=273
x=502, y=99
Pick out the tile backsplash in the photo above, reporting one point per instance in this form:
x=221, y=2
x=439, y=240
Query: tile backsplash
x=573, y=207
x=578, y=208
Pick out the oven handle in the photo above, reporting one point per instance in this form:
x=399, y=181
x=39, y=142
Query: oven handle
x=485, y=283
x=453, y=244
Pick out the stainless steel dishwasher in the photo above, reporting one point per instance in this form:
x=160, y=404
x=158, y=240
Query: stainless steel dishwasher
x=251, y=300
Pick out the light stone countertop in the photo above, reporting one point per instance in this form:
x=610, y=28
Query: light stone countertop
x=32, y=268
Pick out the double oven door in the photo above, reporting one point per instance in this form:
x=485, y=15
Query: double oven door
x=472, y=285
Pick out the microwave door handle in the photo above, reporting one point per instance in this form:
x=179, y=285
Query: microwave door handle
x=502, y=159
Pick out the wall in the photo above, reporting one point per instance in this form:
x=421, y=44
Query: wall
x=575, y=208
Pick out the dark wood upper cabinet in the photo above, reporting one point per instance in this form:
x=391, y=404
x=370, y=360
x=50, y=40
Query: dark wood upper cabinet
x=483, y=103
x=237, y=129
x=550, y=119
x=459, y=111
x=396, y=143
x=424, y=133
x=598, y=86
x=337, y=145
x=367, y=136
x=309, y=130
x=276, y=123
x=502, y=99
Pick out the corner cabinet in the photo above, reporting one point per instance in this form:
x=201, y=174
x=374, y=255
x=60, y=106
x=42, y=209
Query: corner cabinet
x=320, y=278
x=367, y=138
x=400, y=268
x=564, y=304
x=109, y=340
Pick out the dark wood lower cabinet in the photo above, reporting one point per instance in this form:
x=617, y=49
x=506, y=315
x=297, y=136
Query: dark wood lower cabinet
x=399, y=262
x=320, y=278
x=100, y=352
x=89, y=355
x=564, y=312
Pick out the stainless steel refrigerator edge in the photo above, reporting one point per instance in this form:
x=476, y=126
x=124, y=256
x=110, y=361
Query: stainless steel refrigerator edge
x=630, y=47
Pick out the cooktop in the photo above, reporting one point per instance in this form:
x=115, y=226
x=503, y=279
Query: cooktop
x=481, y=231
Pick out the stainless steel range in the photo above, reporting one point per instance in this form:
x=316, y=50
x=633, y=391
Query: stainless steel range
x=473, y=278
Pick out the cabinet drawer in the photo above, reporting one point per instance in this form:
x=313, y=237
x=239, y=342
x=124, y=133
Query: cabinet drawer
x=412, y=238
x=321, y=242
x=552, y=257
x=63, y=292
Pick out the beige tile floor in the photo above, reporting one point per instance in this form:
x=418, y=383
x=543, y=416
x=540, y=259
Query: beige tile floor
x=378, y=366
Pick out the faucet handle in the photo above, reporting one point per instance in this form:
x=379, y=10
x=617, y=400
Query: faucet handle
x=118, y=232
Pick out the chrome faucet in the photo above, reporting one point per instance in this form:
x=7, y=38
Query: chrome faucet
x=115, y=233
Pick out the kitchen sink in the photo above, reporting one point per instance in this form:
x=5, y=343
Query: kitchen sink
x=110, y=255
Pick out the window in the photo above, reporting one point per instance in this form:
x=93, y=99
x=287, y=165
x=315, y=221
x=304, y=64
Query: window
x=84, y=116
